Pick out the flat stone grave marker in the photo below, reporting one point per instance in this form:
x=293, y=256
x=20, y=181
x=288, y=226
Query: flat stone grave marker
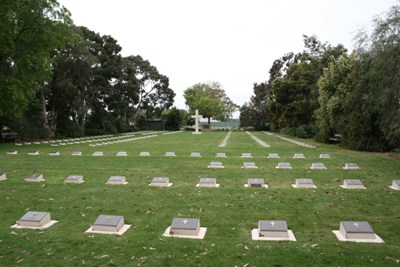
x=352, y=184
x=63, y=144
x=195, y=154
x=256, y=182
x=33, y=153
x=221, y=155
x=273, y=156
x=98, y=153
x=76, y=153
x=144, y=154
x=246, y=155
x=395, y=185
x=318, y=166
x=249, y=165
x=185, y=228
x=216, y=165
x=36, y=177
x=54, y=153
x=304, y=183
x=12, y=152
x=207, y=182
x=27, y=143
x=283, y=165
x=170, y=154
x=3, y=176
x=299, y=156
x=161, y=181
x=109, y=224
x=324, y=156
x=117, y=180
x=33, y=219
x=351, y=166
x=272, y=230
x=122, y=154
x=354, y=231
x=76, y=179
x=36, y=143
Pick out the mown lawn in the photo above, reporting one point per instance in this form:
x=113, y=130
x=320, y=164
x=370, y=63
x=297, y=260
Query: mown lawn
x=229, y=212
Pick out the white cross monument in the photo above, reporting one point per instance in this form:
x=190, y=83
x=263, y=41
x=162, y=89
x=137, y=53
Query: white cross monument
x=196, y=118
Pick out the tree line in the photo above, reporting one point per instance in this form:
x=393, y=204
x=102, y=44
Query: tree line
x=60, y=79
x=325, y=90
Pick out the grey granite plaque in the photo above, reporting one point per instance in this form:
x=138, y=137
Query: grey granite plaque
x=33, y=153
x=3, y=176
x=255, y=182
x=216, y=164
x=207, y=182
x=34, y=219
x=273, y=156
x=77, y=179
x=249, y=165
x=54, y=153
x=76, y=153
x=98, y=153
x=324, y=156
x=351, y=166
x=353, y=183
x=122, y=154
x=12, y=152
x=305, y=183
x=221, y=155
x=283, y=165
x=246, y=155
x=144, y=154
x=108, y=223
x=116, y=180
x=356, y=230
x=185, y=226
x=195, y=154
x=34, y=178
x=298, y=156
x=396, y=184
x=318, y=166
x=160, y=181
x=270, y=228
x=170, y=154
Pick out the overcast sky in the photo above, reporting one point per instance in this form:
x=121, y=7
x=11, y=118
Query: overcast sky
x=233, y=42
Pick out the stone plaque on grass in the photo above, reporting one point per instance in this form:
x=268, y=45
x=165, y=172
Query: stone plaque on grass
x=304, y=183
x=351, y=166
x=144, y=154
x=34, y=220
x=98, y=153
x=117, y=180
x=33, y=153
x=3, y=176
x=352, y=184
x=12, y=152
x=161, y=181
x=185, y=228
x=54, y=153
x=109, y=224
x=273, y=156
x=256, y=182
x=122, y=154
x=75, y=179
x=216, y=165
x=395, y=185
x=246, y=155
x=299, y=156
x=249, y=165
x=195, y=154
x=318, y=166
x=207, y=182
x=283, y=165
x=272, y=230
x=36, y=177
x=354, y=231
x=324, y=156
x=170, y=154
x=76, y=153
x=221, y=155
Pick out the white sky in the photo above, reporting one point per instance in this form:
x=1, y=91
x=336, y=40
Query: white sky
x=233, y=42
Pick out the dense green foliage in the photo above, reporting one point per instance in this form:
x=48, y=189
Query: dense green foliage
x=324, y=91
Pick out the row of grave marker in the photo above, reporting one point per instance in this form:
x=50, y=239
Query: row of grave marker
x=284, y=165
x=205, y=182
x=268, y=230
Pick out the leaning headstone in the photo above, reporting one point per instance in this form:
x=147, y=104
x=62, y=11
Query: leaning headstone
x=35, y=220
x=98, y=153
x=283, y=165
x=221, y=155
x=246, y=155
x=216, y=164
x=351, y=166
x=122, y=154
x=272, y=230
x=36, y=177
x=109, y=224
x=12, y=152
x=256, y=182
x=304, y=183
x=324, y=156
x=75, y=179
x=352, y=184
x=299, y=156
x=161, y=181
x=33, y=153
x=353, y=231
x=144, y=154
x=185, y=228
x=207, y=182
x=76, y=153
x=318, y=166
x=395, y=185
x=249, y=165
x=273, y=156
x=170, y=154
x=117, y=180
x=3, y=176
x=54, y=153
x=195, y=154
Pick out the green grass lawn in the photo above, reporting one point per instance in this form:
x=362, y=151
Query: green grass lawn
x=229, y=212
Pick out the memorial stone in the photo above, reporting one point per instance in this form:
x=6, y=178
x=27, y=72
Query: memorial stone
x=108, y=223
x=170, y=154
x=395, y=185
x=207, y=182
x=273, y=156
x=34, y=178
x=216, y=164
x=246, y=155
x=34, y=219
x=255, y=182
x=12, y=152
x=318, y=166
x=268, y=228
x=117, y=180
x=283, y=165
x=76, y=153
x=352, y=184
x=249, y=165
x=185, y=226
x=221, y=155
x=144, y=154
x=324, y=156
x=76, y=179
x=160, y=181
x=195, y=154
x=3, y=176
x=122, y=154
x=356, y=230
x=98, y=153
x=351, y=166
x=299, y=156
x=304, y=183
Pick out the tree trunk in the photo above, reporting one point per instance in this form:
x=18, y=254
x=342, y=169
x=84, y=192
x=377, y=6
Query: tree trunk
x=50, y=129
